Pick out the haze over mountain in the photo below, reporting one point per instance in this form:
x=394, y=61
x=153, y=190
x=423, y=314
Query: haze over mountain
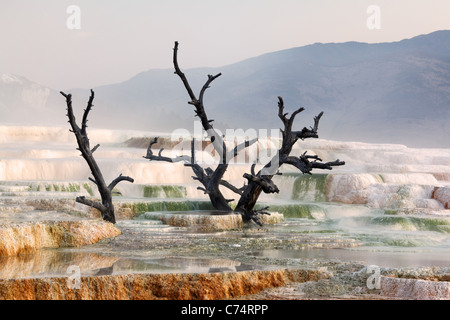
x=395, y=92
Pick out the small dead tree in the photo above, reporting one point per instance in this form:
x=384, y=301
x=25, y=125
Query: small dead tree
x=106, y=206
x=262, y=181
x=257, y=182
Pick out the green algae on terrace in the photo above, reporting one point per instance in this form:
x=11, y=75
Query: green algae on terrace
x=310, y=188
x=159, y=191
x=139, y=207
x=300, y=210
x=441, y=225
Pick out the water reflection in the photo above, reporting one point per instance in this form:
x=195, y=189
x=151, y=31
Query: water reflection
x=55, y=263
x=46, y=263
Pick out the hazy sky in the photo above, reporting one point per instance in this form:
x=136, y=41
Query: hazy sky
x=120, y=38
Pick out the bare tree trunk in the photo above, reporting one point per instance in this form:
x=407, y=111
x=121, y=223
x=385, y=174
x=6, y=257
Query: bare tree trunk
x=257, y=183
x=106, y=206
x=209, y=178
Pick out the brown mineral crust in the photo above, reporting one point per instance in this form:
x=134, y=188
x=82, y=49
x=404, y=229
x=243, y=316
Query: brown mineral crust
x=210, y=286
x=24, y=238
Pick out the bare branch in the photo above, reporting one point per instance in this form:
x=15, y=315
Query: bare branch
x=201, y=175
x=181, y=74
x=234, y=153
x=159, y=157
x=216, y=139
x=281, y=115
x=198, y=103
x=304, y=164
x=228, y=185
x=149, y=149
x=204, y=190
x=70, y=115
x=316, y=121
x=327, y=165
x=266, y=183
x=292, y=118
x=86, y=113
x=193, y=151
x=287, y=122
x=95, y=148
x=95, y=204
x=211, y=78
x=120, y=178
x=309, y=133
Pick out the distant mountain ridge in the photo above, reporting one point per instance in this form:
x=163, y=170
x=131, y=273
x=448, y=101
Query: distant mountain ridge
x=397, y=92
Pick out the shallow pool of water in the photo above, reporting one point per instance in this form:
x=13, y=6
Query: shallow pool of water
x=393, y=258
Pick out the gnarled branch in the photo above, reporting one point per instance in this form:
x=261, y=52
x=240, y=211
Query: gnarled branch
x=95, y=204
x=268, y=186
x=228, y=185
x=304, y=164
x=159, y=157
x=120, y=178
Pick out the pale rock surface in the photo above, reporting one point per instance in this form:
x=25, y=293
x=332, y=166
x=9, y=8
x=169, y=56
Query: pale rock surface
x=349, y=188
x=210, y=222
x=415, y=289
x=443, y=196
x=388, y=191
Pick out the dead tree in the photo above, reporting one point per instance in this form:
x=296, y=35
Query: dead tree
x=209, y=178
x=262, y=181
x=106, y=206
x=257, y=182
